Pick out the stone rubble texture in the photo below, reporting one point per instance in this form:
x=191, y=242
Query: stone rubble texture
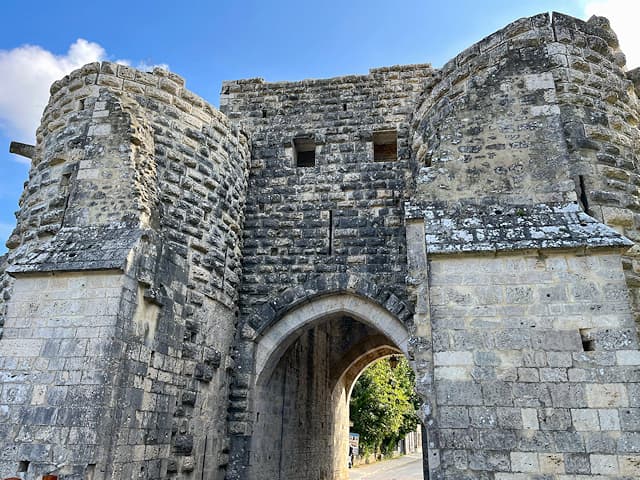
x=181, y=300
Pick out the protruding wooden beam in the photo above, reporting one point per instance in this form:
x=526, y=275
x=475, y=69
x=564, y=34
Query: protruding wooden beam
x=22, y=149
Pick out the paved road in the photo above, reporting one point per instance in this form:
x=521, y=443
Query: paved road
x=408, y=467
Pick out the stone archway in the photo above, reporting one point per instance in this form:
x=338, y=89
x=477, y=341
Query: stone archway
x=305, y=366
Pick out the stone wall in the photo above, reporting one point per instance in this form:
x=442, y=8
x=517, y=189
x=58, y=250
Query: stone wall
x=333, y=226
x=541, y=111
x=499, y=143
x=600, y=114
x=490, y=169
x=343, y=215
x=57, y=368
x=536, y=361
x=490, y=127
x=163, y=260
x=5, y=290
x=136, y=176
x=295, y=420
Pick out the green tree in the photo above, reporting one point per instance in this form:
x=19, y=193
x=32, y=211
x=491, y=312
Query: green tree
x=383, y=405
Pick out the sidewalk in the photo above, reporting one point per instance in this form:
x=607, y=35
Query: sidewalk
x=408, y=467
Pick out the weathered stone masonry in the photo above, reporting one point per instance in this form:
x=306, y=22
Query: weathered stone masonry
x=137, y=186
x=191, y=294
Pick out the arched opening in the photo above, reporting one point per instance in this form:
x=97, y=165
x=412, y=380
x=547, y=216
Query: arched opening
x=306, y=365
x=384, y=422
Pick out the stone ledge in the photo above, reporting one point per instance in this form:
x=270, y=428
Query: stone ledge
x=474, y=228
x=76, y=249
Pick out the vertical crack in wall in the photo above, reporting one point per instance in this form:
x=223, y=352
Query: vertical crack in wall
x=204, y=456
x=330, y=232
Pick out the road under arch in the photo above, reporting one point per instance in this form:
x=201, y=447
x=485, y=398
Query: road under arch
x=306, y=365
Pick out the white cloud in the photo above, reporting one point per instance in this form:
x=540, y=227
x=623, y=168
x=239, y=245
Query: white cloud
x=144, y=66
x=623, y=15
x=27, y=73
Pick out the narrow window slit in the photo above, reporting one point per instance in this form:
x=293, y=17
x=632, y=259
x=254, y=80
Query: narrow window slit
x=583, y=194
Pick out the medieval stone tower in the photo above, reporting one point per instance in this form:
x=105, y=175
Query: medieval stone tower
x=191, y=294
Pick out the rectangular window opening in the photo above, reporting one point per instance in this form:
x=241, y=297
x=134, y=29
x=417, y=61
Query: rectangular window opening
x=64, y=181
x=90, y=471
x=23, y=466
x=385, y=146
x=305, y=152
x=588, y=343
x=191, y=336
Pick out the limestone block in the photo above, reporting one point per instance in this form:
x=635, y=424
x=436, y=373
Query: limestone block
x=609, y=419
x=630, y=419
x=607, y=395
x=459, y=393
x=585, y=419
x=453, y=417
x=629, y=465
x=628, y=357
x=530, y=419
x=452, y=373
x=453, y=358
x=604, y=464
x=577, y=463
x=524, y=462
x=551, y=463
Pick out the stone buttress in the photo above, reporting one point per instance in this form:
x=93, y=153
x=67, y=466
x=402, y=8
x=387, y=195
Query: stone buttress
x=524, y=149
x=124, y=270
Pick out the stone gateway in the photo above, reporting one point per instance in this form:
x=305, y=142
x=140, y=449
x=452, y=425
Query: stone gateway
x=191, y=293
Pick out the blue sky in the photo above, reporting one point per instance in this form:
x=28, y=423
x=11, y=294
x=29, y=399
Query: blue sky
x=210, y=41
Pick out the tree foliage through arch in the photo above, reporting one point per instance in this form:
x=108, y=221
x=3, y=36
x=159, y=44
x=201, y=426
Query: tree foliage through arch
x=383, y=405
